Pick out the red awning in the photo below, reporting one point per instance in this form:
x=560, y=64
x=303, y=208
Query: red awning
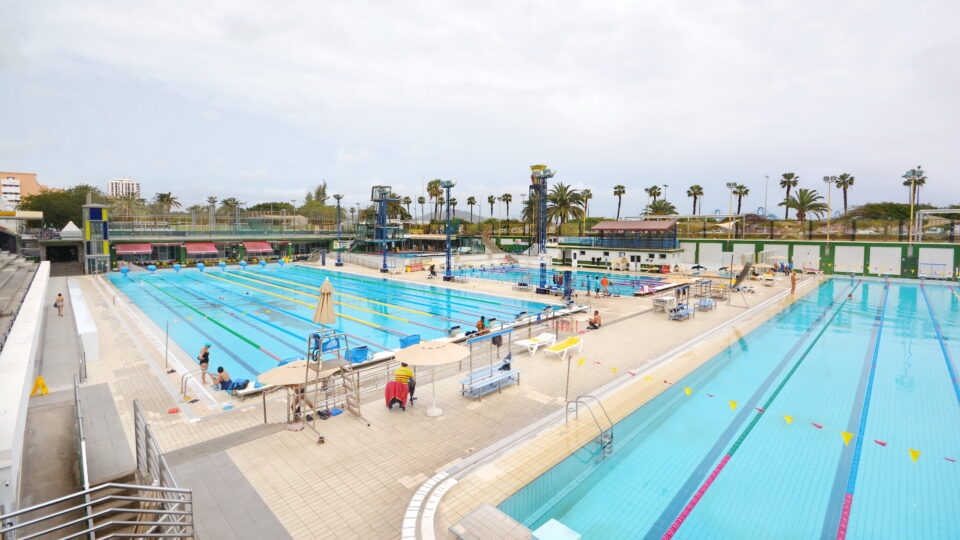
x=201, y=248
x=134, y=249
x=643, y=225
x=257, y=247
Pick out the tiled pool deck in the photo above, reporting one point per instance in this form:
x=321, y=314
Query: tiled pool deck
x=359, y=483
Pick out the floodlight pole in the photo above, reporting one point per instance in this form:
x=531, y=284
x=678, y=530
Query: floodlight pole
x=339, y=262
x=448, y=273
x=538, y=187
x=830, y=180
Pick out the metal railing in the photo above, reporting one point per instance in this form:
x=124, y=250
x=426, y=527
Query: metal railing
x=155, y=508
x=628, y=243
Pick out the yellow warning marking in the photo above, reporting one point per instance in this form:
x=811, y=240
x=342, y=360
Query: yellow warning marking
x=40, y=386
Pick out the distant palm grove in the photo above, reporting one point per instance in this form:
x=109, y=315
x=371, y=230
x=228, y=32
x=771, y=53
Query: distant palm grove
x=568, y=208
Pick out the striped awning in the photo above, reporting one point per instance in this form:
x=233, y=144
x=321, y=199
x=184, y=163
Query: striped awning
x=257, y=247
x=134, y=249
x=201, y=248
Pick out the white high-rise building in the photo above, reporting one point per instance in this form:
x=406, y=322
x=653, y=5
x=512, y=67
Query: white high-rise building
x=118, y=187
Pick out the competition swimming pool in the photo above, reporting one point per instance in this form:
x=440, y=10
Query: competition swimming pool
x=258, y=317
x=835, y=419
x=620, y=284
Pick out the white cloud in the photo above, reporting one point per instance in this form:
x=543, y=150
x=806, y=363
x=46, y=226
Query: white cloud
x=606, y=93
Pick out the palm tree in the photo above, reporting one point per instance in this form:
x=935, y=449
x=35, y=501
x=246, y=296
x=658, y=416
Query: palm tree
x=166, y=201
x=585, y=197
x=421, y=200
x=788, y=182
x=662, y=207
x=406, y=202
x=471, y=202
x=695, y=191
x=491, y=200
x=353, y=217
x=740, y=191
x=806, y=201
x=915, y=190
x=127, y=206
x=845, y=182
x=653, y=192
x=618, y=192
x=435, y=192
x=507, y=199
x=563, y=203
x=453, y=207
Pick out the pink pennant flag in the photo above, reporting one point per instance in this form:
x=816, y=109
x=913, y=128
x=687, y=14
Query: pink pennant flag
x=818, y=426
x=881, y=443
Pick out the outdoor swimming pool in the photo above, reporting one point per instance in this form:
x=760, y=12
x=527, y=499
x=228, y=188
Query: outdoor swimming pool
x=260, y=316
x=835, y=419
x=621, y=284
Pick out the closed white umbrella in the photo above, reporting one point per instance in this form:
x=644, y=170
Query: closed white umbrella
x=323, y=314
x=433, y=354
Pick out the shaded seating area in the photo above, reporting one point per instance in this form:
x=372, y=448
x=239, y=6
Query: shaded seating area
x=497, y=374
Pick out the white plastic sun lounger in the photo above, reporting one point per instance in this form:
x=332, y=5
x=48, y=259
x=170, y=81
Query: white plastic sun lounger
x=563, y=348
x=545, y=339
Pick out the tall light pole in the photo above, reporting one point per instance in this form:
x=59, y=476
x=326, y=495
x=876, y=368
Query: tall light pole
x=830, y=181
x=339, y=262
x=448, y=273
x=731, y=186
x=766, y=185
x=664, y=192
x=538, y=188
x=913, y=175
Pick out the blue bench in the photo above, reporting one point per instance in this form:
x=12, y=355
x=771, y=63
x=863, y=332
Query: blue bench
x=681, y=312
x=485, y=380
x=705, y=304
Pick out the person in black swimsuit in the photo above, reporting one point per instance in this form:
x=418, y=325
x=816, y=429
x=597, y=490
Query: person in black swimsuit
x=204, y=359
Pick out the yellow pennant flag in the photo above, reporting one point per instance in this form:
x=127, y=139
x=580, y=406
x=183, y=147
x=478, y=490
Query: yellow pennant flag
x=581, y=361
x=914, y=454
x=846, y=437
x=614, y=371
x=648, y=378
x=733, y=405
x=788, y=418
x=687, y=390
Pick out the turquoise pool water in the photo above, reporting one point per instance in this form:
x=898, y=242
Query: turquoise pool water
x=877, y=366
x=621, y=284
x=260, y=316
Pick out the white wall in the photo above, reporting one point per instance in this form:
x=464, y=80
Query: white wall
x=17, y=366
x=711, y=255
x=689, y=255
x=848, y=259
x=885, y=260
x=935, y=263
x=83, y=319
x=806, y=256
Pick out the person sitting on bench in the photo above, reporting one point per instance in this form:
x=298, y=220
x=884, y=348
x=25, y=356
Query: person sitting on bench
x=404, y=374
x=594, y=322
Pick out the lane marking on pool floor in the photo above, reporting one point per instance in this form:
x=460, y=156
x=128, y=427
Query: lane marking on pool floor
x=834, y=523
x=283, y=311
x=692, y=503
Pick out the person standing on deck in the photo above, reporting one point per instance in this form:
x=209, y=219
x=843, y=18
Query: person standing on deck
x=605, y=282
x=793, y=282
x=58, y=303
x=204, y=359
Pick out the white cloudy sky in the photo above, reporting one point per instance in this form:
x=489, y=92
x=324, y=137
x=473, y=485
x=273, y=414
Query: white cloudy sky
x=260, y=100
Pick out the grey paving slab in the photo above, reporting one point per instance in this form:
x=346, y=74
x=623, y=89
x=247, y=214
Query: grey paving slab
x=60, y=348
x=225, y=504
x=109, y=453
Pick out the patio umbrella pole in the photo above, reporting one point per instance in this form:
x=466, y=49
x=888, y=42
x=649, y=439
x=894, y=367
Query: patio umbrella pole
x=434, y=410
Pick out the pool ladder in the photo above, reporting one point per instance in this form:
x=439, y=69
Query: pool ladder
x=605, y=439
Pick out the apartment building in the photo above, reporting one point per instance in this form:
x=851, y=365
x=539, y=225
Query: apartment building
x=118, y=187
x=16, y=185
